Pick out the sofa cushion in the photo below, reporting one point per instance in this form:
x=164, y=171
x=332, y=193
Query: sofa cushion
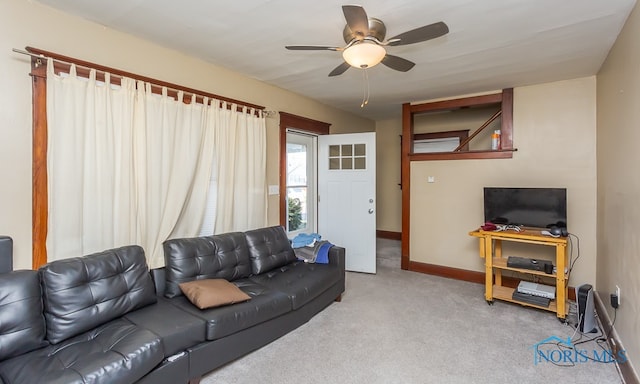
x=177, y=329
x=116, y=352
x=265, y=304
x=210, y=293
x=84, y=292
x=22, y=326
x=301, y=281
x=222, y=256
x=269, y=248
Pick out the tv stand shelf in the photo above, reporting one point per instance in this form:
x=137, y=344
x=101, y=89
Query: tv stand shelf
x=491, y=250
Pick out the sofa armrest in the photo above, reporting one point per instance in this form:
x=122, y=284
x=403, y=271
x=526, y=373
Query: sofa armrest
x=337, y=257
x=159, y=277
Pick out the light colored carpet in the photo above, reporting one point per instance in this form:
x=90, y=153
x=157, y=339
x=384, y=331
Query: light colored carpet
x=406, y=327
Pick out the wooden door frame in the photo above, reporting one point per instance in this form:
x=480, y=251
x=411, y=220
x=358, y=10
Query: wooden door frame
x=504, y=99
x=291, y=121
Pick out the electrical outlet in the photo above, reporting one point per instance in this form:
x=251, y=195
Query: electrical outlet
x=618, y=294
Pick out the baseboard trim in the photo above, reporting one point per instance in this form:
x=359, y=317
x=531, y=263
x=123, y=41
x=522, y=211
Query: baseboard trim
x=448, y=272
x=626, y=370
x=389, y=235
x=467, y=275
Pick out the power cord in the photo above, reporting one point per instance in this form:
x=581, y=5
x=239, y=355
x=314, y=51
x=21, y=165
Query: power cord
x=599, y=342
x=572, y=262
x=599, y=339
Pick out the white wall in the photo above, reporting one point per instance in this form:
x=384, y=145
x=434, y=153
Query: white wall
x=619, y=182
x=554, y=133
x=389, y=194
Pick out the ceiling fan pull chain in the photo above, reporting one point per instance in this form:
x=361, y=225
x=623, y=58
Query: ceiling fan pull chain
x=365, y=88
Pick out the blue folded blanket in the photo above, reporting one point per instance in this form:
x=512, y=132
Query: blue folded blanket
x=322, y=257
x=304, y=239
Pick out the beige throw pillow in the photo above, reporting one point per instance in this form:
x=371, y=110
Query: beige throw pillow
x=211, y=293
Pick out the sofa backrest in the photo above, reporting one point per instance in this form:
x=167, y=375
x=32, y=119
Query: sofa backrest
x=84, y=292
x=269, y=248
x=224, y=256
x=22, y=327
x=6, y=254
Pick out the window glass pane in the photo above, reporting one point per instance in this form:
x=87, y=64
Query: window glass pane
x=296, y=208
x=334, y=163
x=334, y=150
x=360, y=150
x=347, y=163
x=359, y=163
x=347, y=150
x=296, y=164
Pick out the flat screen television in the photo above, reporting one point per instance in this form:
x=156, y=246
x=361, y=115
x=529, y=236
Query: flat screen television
x=529, y=207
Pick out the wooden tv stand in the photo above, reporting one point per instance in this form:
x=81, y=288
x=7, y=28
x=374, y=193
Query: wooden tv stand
x=491, y=251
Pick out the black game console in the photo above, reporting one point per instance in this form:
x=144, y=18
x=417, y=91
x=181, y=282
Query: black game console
x=531, y=299
x=532, y=264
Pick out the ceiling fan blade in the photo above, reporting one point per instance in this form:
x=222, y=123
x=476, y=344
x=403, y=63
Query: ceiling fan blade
x=357, y=19
x=418, y=35
x=340, y=69
x=397, y=63
x=311, y=48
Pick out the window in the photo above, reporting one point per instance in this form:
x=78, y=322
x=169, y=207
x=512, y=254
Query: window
x=347, y=156
x=301, y=176
x=298, y=172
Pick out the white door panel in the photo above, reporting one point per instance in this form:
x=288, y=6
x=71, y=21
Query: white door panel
x=347, y=200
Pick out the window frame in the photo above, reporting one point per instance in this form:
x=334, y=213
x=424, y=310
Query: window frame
x=298, y=123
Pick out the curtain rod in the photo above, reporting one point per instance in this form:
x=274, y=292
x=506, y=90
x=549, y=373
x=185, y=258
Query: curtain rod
x=40, y=56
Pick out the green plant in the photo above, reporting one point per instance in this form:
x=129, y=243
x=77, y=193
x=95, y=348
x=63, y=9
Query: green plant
x=295, y=213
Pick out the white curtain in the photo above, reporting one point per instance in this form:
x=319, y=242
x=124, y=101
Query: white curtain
x=89, y=165
x=240, y=164
x=126, y=166
x=173, y=156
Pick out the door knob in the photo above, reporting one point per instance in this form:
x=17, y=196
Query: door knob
x=371, y=201
x=370, y=210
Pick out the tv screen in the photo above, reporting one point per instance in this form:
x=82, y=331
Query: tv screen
x=529, y=207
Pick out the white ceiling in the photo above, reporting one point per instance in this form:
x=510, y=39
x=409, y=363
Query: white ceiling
x=492, y=44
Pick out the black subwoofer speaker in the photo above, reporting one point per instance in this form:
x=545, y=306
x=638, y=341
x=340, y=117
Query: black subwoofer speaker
x=586, y=310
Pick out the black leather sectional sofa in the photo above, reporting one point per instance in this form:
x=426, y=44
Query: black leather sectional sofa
x=105, y=318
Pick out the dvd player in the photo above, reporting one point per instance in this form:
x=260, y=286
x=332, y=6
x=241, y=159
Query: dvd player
x=532, y=264
x=540, y=290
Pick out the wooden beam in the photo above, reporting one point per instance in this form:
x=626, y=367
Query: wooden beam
x=39, y=201
x=445, y=105
x=407, y=148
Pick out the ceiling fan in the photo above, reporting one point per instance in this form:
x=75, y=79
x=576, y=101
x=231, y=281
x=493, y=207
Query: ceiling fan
x=365, y=38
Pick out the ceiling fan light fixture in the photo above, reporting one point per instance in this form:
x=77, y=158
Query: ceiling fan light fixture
x=364, y=54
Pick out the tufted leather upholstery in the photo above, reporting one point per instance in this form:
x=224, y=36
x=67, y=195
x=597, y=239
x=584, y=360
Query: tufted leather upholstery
x=22, y=326
x=177, y=329
x=302, y=282
x=265, y=304
x=212, y=257
x=99, y=328
x=84, y=292
x=6, y=254
x=269, y=248
x=116, y=352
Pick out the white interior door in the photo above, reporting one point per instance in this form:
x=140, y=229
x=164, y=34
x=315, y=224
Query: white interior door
x=347, y=196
